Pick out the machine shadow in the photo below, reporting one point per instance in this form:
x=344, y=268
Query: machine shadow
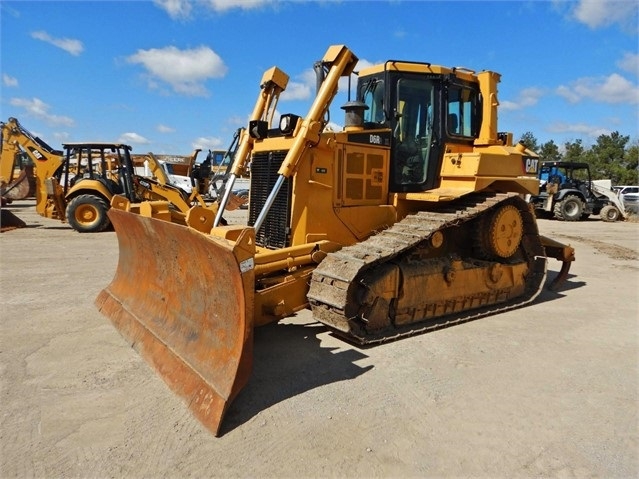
x=568, y=284
x=288, y=360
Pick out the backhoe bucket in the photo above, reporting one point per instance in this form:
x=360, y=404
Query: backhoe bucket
x=184, y=300
x=18, y=189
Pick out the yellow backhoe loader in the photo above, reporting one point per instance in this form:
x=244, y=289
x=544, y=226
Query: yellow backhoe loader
x=157, y=197
x=178, y=169
x=78, y=184
x=410, y=218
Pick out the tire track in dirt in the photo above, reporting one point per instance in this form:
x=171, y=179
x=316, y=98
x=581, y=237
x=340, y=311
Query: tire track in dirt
x=611, y=250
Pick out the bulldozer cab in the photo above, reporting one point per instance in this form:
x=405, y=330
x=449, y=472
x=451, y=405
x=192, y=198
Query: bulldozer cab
x=423, y=113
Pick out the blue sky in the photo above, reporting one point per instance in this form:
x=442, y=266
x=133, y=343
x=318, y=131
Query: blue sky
x=171, y=75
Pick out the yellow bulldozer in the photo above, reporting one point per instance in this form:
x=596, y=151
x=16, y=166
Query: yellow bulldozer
x=411, y=217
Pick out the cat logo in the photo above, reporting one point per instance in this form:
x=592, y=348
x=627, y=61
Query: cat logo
x=37, y=154
x=531, y=165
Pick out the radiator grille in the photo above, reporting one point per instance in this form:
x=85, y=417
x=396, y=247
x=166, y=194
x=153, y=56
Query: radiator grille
x=275, y=231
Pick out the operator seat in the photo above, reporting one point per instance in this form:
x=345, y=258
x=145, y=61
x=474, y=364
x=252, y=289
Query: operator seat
x=453, y=123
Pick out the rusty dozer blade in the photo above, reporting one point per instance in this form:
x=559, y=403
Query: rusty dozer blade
x=185, y=302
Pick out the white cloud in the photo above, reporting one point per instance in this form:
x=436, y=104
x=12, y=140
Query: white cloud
x=611, y=89
x=207, y=143
x=296, y=91
x=38, y=109
x=184, y=70
x=237, y=121
x=332, y=126
x=61, y=136
x=363, y=63
x=579, y=129
x=305, y=88
x=69, y=45
x=225, y=5
x=182, y=9
x=603, y=13
x=630, y=63
x=302, y=89
x=132, y=139
x=9, y=81
x=177, y=9
x=527, y=97
x=164, y=129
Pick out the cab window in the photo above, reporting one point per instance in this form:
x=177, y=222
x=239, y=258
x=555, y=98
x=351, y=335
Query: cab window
x=461, y=119
x=373, y=97
x=413, y=132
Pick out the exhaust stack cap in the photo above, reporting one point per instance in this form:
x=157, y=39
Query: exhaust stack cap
x=354, y=115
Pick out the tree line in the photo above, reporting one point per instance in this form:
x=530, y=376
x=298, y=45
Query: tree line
x=611, y=157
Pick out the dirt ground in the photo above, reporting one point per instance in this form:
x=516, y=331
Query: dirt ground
x=550, y=390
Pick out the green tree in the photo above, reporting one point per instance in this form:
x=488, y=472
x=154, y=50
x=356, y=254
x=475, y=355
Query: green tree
x=549, y=151
x=609, y=157
x=631, y=176
x=574, y=151
x=530, y=141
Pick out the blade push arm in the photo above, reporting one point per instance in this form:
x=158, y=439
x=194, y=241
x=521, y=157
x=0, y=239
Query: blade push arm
x=341, y=62
x=273, y=83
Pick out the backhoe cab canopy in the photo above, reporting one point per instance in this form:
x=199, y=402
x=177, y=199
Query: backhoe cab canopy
x=105, y=162
x=561, y=171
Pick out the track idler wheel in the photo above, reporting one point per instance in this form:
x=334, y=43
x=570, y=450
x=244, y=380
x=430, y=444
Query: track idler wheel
x=500, y=234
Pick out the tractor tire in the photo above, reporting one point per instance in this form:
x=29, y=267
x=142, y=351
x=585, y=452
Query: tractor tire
x=88, y=214
x=569, y=209
x=609, y=213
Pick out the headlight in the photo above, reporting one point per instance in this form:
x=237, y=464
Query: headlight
x=288, y=123
x=258, y=129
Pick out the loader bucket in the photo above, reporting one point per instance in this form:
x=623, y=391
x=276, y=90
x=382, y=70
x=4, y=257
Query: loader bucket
x=184, y=300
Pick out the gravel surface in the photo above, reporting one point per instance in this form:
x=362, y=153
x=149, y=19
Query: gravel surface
x=550, y=390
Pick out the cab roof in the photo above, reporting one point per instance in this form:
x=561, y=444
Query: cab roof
x=419, y=67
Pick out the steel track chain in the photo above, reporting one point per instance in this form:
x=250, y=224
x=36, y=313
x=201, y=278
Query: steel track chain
x=329, y=291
